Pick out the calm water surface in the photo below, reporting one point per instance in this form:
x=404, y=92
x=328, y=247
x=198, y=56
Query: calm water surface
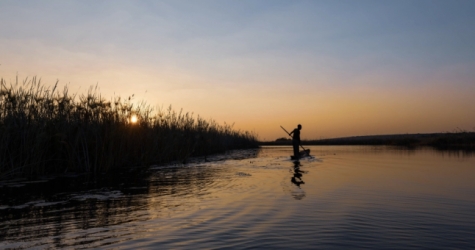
x=345, y=197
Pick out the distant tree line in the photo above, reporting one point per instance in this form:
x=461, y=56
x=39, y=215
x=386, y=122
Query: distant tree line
x=458, y=139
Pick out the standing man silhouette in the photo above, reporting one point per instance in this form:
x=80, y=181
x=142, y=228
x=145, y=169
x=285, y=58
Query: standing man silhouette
x=296, y=140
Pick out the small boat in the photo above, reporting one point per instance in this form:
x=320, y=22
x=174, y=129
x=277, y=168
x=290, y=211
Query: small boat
x=302, y=154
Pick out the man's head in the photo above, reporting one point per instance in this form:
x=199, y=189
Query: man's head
x=299, y=126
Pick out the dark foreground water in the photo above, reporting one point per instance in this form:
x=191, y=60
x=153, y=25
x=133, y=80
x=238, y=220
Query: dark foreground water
x=345, y=197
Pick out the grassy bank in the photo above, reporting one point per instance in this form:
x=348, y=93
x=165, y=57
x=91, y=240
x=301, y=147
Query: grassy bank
x=47, y=130
x=455, y=140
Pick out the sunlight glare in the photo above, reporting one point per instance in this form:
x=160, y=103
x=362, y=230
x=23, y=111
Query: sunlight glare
x=133, y=119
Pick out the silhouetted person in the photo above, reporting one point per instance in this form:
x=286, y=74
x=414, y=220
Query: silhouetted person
x=296, y=141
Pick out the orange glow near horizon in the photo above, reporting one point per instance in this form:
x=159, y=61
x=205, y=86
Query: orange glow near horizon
x=352, y=114
x=324, y=113
x=339, y=72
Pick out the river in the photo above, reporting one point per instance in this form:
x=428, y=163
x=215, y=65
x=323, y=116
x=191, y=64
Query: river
x=343, y=197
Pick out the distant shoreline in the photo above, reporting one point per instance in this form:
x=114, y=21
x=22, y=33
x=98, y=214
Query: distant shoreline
x=458, y=140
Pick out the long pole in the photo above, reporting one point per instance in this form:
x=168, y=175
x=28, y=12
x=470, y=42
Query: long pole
x=291, y=137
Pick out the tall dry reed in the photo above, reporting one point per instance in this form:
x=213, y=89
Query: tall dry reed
x=47, y=130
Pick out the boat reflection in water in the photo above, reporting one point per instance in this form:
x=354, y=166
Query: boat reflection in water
x=296, y=179
x=347, y=197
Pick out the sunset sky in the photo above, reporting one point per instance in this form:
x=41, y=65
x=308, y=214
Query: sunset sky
x=339, y=68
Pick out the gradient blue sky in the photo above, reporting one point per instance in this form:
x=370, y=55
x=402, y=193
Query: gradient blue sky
x=339, y=68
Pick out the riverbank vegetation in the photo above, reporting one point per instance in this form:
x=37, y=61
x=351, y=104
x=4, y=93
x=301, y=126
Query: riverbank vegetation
x=47, y=130
x=450, y=140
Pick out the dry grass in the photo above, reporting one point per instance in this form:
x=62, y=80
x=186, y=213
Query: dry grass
x=44, y=130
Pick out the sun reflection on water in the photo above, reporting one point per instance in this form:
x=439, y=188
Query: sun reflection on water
x=340, y=198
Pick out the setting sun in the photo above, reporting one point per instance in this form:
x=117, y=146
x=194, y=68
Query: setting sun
x=226, y=124
x=133, y=119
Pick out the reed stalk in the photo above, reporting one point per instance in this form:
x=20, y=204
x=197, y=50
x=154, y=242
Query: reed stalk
x=48, y=131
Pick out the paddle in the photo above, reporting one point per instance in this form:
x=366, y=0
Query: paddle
x=291, y=137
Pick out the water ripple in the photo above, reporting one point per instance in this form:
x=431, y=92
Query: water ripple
x=344, y=198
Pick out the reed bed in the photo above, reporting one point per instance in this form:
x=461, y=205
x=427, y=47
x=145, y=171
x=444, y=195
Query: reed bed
x=47, y=131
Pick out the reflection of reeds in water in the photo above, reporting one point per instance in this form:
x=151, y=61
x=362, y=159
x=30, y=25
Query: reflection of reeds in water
x=45, y=130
